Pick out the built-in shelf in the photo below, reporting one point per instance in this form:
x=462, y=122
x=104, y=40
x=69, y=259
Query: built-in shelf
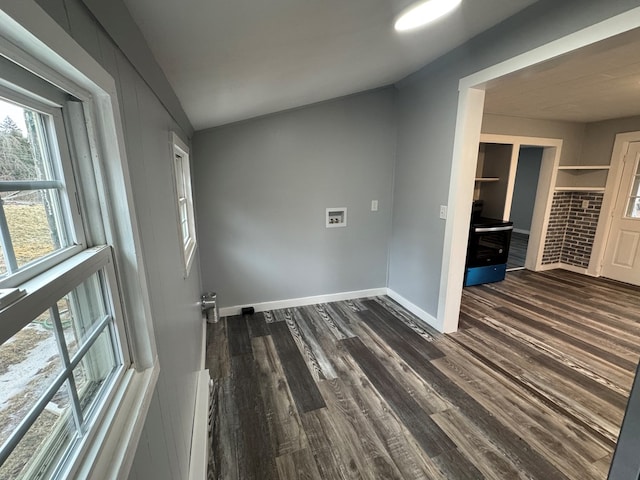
x=492, y=175
x=582, y=178
x=583, y=167
x=580, y=189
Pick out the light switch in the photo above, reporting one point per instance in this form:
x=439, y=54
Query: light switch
x=443, y=212
x=374, y=205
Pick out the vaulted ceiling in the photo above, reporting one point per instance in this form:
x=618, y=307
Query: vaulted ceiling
x=230, y=60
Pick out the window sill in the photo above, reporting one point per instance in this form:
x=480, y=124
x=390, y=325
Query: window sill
x=111, y=452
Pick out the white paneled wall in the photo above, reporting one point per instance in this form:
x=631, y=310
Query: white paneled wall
x=164, y=449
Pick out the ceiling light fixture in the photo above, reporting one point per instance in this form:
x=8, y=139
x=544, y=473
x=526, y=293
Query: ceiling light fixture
x=423, y=12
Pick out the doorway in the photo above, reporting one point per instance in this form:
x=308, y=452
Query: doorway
x=470, y=111
x=622, y=251
x=523, y=203
x=500, y=160
x=587, y=46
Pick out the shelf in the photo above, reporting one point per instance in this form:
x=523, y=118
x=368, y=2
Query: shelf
x=586, y=178
x=579, y=189
x=487, y=179
x=583, y=167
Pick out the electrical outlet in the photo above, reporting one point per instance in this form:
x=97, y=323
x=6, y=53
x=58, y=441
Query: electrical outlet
x=585, y=204
x=336, y=217
x=374, y=205
x=443, y=212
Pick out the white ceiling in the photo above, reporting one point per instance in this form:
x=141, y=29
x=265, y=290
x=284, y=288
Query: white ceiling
x=230, y=60
x=598, y=82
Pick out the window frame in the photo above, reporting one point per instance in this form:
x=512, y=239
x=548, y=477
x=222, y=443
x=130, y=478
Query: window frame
x=54, y=276
x=61, y=160
x=41, y=291
x=184, y=197
x=633, y=197
x=32, y=39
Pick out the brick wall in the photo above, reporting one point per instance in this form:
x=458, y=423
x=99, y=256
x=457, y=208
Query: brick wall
x=572, y=228
x=560, y=208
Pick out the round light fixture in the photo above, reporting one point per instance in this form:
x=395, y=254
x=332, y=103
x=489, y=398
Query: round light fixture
x=423, y=12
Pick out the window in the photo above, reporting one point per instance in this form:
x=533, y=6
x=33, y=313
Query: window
x=96, y=377
x=58, y=369
x=184, y=197
x=63, y=348
x=37, y=220
x=633, y=205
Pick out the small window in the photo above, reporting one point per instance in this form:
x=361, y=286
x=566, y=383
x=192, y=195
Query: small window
x=184, y=197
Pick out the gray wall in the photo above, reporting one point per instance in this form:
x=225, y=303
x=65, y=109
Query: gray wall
x=163, y=452
x=423, y=167
x=428, y=103
x=600, y=138
x=262, y=187
x=571, y=133
x=524, y=189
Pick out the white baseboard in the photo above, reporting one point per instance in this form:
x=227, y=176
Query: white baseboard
x=575, y=269
x=520, y=230
x=427, y=318
x=417, y=311
x=549, y=266
x=199, y=459
x=300, y=302
x=565, y=266
x=203, y=346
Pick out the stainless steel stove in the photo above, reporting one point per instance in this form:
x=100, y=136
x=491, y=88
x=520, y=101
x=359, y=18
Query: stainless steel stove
x=488, y=250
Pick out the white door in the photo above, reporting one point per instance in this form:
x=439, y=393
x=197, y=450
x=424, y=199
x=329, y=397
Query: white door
x=622, y=253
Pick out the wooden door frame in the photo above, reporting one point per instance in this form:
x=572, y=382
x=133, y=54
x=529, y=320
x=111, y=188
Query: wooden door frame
x=614, y=182
x=466, y=139
x=552, y=150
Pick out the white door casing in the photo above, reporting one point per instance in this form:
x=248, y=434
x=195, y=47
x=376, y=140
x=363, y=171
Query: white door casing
x=468, y=126
x=622, y=251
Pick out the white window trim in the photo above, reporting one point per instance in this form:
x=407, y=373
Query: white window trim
x=31, y=38
x=61, y=161
x=179, y=148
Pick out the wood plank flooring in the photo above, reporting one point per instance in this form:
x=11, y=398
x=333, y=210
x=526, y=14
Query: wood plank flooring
x=533, y=386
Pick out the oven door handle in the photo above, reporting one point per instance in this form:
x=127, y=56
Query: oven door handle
x=493, y=229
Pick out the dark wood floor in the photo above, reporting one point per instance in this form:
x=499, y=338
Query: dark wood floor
x=533, y=386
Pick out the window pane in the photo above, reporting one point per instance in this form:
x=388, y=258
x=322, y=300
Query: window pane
x=35, y=223
x=184, y=221
x=183, y=210
x=185, y=233
x=30, y=187
x=21, y=144
x=45, y=443
x=633, y=210
x=179, y=177
x=3, y=263
x=93, y=370
x=29, y=362
x=80, y=310
x=635, y=190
